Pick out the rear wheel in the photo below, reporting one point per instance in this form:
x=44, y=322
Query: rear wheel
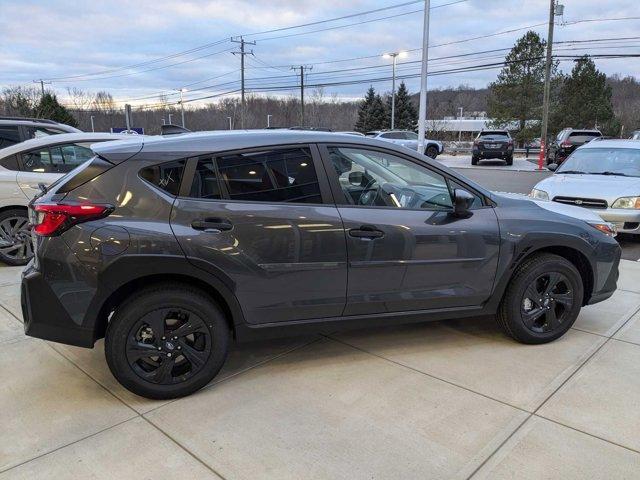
x=432, y=151
x=509, y=160
x=542, y=301
x=16, y=247
x=166, y=342
x=474, y=160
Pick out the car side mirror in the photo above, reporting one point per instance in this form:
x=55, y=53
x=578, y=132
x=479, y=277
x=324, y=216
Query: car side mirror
x=552, y=167
x=462, y=201
x=356, y=178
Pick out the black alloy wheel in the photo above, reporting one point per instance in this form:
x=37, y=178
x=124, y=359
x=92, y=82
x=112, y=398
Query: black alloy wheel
x=168, y=346
x=547, y=302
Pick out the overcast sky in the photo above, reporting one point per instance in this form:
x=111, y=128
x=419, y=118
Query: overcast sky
x=62, y=38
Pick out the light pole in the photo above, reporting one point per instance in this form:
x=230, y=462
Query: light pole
x=92, y=127
x=182, y=90
x=170, y=118
x=393, y=56
x=422, y=115
x=229, y=118
x=460, y=125
x=269, y=120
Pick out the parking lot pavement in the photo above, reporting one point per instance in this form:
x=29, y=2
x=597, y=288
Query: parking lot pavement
x=449, y=399
x=520, y=164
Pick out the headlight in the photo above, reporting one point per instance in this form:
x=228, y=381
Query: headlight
x=627, y=202
x=539, y=194
x=606, y=228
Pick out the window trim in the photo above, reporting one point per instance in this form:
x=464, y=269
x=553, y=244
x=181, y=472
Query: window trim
x=188, y=176
x=341, y=200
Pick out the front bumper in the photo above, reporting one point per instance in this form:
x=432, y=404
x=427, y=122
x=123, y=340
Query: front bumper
x=607, y=273
x=625, y=220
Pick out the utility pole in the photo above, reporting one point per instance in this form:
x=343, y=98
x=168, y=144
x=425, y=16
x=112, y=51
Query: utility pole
x=302, y=68
x=127, y=116
x=394, y=56
x=92, y=127
x=170, y=122
x=547, y=81
x=422, y=116
x=229, y=118
x=182, y=90
x=269, y=120
x=242, y=53
x=42, y=82
x=460, y=125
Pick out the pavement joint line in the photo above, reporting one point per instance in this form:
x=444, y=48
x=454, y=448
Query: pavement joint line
x=586, y=433
x=502, y=444
x=449, y=382
x=11, y=313
x=244, y=370
x=44, y=454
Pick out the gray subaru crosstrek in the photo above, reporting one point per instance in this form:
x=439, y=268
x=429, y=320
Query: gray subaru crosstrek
x=170, y=247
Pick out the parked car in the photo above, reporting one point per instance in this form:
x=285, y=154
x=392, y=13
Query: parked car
x=603, y=176
x=23, y=167
x=635, y=135
x=567, y=141
x=18, y=129
x=408, y=139
x=492, y=144
x=166, y=246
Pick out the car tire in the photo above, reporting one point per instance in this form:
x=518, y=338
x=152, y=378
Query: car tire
x=14, y=231
x=145, y=356
x=548, y=317
x=509, y=160
x=431, y=151
x=474, y=160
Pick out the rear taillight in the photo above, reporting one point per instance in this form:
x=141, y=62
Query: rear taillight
x=55, y=218
x=566, y=144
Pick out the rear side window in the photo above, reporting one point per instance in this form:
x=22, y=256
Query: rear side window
x=166, y=176
x=9, y=136
x=281, y=175
x=60, y=159
x=10, y=163
x=583, y=137
x=81, y=175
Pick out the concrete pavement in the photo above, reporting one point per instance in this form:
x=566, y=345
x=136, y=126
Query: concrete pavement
x=451, y=399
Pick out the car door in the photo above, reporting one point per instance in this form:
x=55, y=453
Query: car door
x=265, y=220
x=47, y=164
x=406, y=249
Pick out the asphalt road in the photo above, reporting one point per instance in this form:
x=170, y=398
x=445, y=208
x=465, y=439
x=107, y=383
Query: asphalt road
x=505, y=180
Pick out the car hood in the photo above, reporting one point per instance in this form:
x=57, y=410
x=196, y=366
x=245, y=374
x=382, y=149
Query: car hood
x=578, y=213
x=605, y=187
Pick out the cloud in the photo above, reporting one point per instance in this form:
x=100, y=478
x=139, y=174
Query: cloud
x=64, y=37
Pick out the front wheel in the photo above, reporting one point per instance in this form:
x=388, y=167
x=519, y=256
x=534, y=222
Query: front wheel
x=431, y=151
x=166, y=341
x=474, y=160
x=542, y=301
x=509, y=160
x=16, y=247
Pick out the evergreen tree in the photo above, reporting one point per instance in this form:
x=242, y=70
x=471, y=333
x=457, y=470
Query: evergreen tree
x=371, y=113
x=585, y=99
x=516, y=96
x=50, y=108
x=406, y=115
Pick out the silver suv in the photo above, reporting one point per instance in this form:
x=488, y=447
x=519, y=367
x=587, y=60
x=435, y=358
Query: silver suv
x=408, y=139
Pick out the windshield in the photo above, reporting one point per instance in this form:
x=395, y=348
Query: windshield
x=603, y=161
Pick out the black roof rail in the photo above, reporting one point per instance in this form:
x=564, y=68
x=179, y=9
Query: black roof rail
x=170, y=129
x=29, y=119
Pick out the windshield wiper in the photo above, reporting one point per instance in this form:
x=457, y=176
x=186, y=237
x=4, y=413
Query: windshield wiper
x=611, y=173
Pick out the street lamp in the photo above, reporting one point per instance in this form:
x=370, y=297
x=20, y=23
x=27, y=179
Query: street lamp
x=182, y=90
x=92, y=127
x=229, y=118
x=269, y=120
x=170, y=118
x=394, y=56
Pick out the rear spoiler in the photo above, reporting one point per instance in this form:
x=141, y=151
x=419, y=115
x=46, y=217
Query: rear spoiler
x=169, y=129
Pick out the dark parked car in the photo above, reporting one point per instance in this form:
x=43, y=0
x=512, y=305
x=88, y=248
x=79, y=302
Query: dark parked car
x=492, y=144
x=18, y=129
x=567, y=141
x=167, y=247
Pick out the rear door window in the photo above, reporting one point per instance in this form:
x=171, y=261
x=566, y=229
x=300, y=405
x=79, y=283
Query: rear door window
x=9, y=136
x=276, y=175
x=205, y=182
x=38, y=161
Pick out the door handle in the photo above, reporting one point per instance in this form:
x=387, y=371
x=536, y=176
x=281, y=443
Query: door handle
x=212, y=225
x=366, y=232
